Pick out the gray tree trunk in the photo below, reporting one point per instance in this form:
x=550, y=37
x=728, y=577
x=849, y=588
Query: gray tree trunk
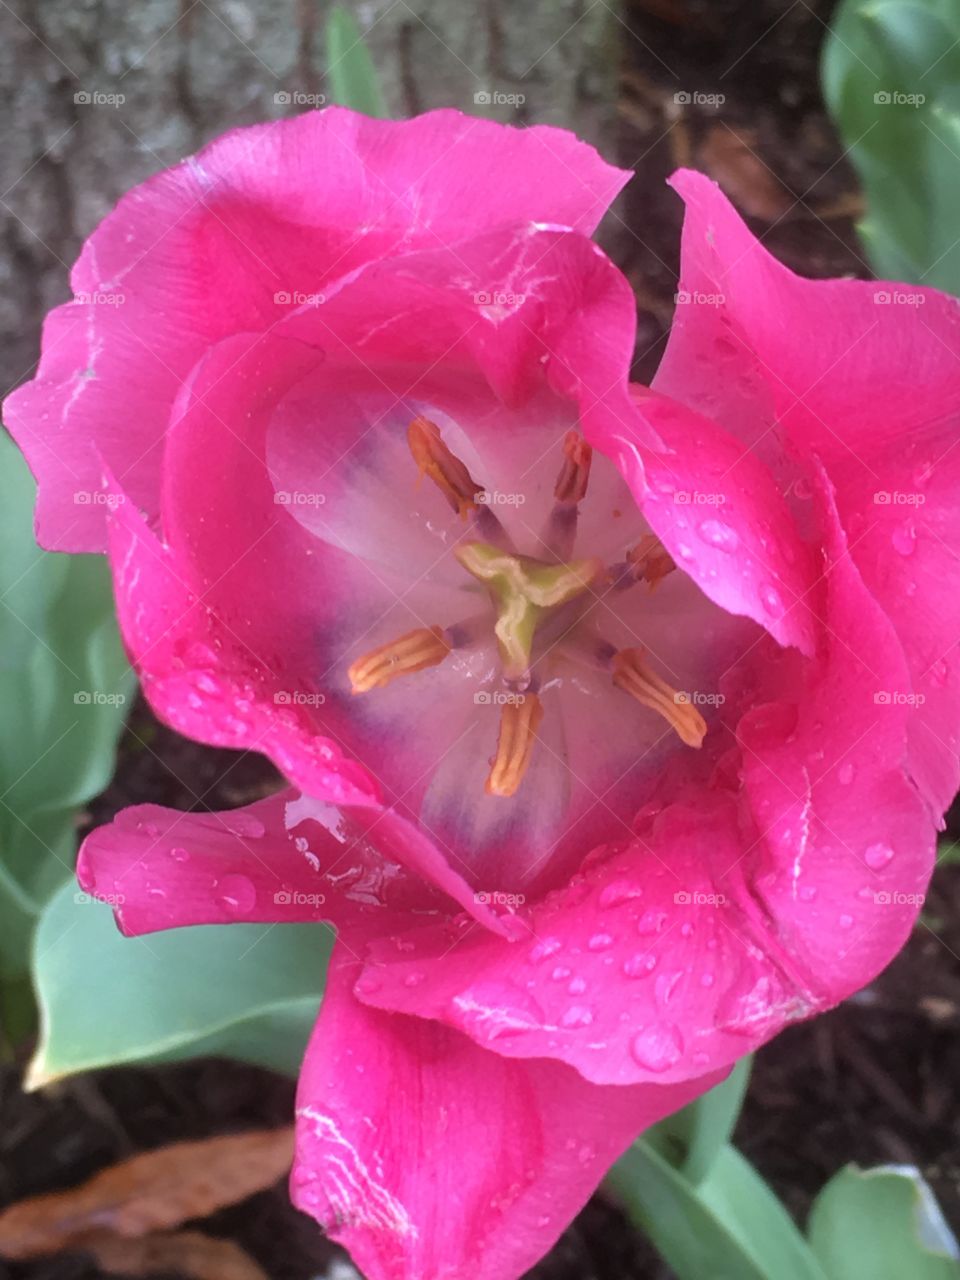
x=98, y=94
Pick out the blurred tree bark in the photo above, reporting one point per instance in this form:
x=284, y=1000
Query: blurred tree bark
x=98, y=94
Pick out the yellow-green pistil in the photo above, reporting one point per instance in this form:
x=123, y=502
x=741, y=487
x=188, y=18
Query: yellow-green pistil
x=524, y=591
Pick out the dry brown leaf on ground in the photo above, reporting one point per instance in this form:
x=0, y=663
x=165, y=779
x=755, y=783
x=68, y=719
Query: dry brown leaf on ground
x=149, y=1192
x=190, y=1253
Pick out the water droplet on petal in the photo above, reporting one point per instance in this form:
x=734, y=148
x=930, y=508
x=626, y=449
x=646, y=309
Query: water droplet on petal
x=717, y=534
x=179, y=855
x=845, y=921
x=845, y=774
x=561, y=973
x=904, y=539
x=877, y=856
x=236, y=893
x=600, y=942
x=639, y=966
x=577, y=1015
x=665, y=986
x=771, y=600
x=577, y=987
x=657, y=1048
x=544, y=948
x=619, y=892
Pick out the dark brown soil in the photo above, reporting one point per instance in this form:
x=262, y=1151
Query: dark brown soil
x=874, y=1081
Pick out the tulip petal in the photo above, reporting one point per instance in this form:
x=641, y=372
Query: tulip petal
x=427, y=1156
x=228, y=240
x=863, y=378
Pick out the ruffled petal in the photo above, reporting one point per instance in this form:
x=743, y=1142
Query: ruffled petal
x=432, y=1159
x=863, y=377
x=233, y=237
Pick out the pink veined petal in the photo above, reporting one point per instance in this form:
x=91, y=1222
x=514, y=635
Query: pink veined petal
x=164, y=869
x=430, y=1158
x=864, y=377
x=719, y=512
x=825, y=773
x=229, y=240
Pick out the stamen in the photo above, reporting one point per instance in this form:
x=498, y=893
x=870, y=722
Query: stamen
x=414, y=651
x=444, y=468
x=631, y=674
x=574, y=475
x=560, y=534
x=519, y=721
x=650, y=561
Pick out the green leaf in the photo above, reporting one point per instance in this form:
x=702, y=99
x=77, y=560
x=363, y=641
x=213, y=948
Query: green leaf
x=693, y=1137
x=351, y=75
x=246, y=991
x=891, y=77
x=728, y=1227
x=64, y=685
x=884, y=1224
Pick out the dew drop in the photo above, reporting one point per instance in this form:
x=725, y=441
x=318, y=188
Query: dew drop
x=577, y=987
x=845, y=774
x=561, y=973
x=665, y=986
x=657, y=1048
x=717, y=534
x=619, y=892
x=179, y=855
x=236, y=893
x=876, y=856
x=577, y=1015
x=600, y=942
x=904, y=539
x=639, y=966
x=544, y=948
x=651, y=922
x=771, y=601
x=845, y=921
